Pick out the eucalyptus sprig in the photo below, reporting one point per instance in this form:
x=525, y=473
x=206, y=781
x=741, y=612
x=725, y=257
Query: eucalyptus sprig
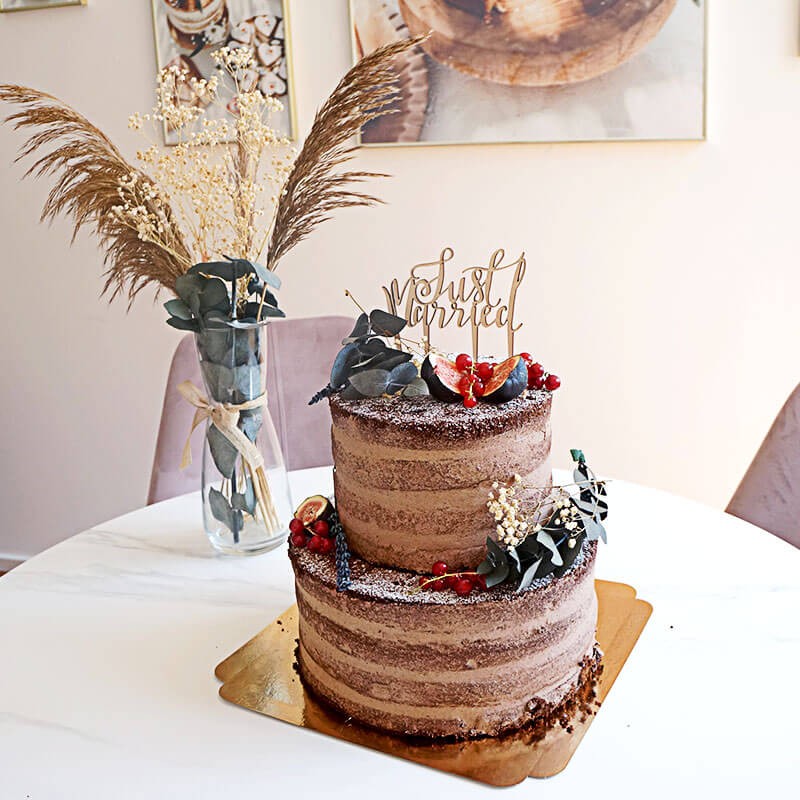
x=367, y=366
x=552, y=547
x=218, y=294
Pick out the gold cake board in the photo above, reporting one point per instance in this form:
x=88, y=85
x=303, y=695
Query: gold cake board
x=260, y=676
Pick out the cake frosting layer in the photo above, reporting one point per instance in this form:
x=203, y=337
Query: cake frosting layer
x=412, y=476
x=429, y=663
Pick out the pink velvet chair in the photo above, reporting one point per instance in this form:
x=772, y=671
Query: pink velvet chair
x=301, y=352
x=769, y=494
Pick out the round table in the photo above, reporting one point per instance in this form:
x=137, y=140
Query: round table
x=109, y=641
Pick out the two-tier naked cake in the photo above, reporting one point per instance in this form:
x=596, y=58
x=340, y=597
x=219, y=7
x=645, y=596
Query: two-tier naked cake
x=450, y=592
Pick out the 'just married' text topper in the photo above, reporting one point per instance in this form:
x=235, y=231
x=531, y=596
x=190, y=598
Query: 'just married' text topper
x=432, y=299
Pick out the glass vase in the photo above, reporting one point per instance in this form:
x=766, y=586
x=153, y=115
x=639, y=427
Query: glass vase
x=245, y=486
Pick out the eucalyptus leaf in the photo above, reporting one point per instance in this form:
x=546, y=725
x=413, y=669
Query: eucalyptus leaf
x=222, y=511
x=177, y=308
x=222, y=451
x=188, y=286
x=402, y=375
x=372, y=347
x=215, y=343
x=498, y=574
x=250, y=421
x=266, y=275
x=247, y=381
x=245, y=501
x=371, y=383
x=361, y=328
x=184, y=324
x=417, y=388
x=528, y=576
x=340, y=371
x=385, y=324
x=391, y=358
x=351, y=393
x=543, y=537
x=215, y=296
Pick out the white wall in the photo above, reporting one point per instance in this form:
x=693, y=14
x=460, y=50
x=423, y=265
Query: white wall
x=663, y=288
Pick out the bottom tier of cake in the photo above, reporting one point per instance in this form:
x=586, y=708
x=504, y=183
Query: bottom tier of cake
x=427, y=663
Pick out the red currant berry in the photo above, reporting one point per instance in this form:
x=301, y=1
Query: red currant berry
x=480, y=582
x=470, y=401
x=327, y=546
x=439, y=585
x=484, y=370
x=463, y=587
x=527, y=358
x=552, y=382
x=537, y=369
x=478, y=388
x=535, y=383
x=298, y=539
x=321, y=528
x=465, y=384
x=452, y=580
x=463, y=362
x=296, y=526
x=439, y=569
x=315, y=544
x=423, y=581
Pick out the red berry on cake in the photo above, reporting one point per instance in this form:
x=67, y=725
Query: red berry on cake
x=527, y=358
x=478, y=388
x=465, y=384
x=321, y=528
x=296, y=526
x=439, y=585
x=552, y=382
x=439, y=569
x=452, y=580
x=470, y=401
x=423, y=581
x=535, y=382
x=327, y=546
x=484, y=371
x=480, y=582
x=463, y=587
x=463, y=362
x=315, y=544
x=298, y=539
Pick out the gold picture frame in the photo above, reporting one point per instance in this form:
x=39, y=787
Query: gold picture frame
x=35, y=5
x=411, y=77
x=168, y=46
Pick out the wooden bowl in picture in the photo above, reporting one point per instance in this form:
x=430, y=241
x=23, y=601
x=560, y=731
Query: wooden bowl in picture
x=535, y=42
x=373, y=28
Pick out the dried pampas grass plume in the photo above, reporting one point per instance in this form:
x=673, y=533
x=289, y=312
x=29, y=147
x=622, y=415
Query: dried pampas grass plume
x=89, y=171
x=315, y=187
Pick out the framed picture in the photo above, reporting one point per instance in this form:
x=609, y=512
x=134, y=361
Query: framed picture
x=27, y=5
x=540, y=70
x=188, y=31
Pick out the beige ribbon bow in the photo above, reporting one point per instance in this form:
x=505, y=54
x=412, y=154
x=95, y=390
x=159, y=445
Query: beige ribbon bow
x=225, y=417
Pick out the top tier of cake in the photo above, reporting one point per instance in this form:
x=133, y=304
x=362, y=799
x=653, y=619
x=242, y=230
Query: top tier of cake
x=412, y=476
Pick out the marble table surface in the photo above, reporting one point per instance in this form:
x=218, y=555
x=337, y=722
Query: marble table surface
x=108, y=643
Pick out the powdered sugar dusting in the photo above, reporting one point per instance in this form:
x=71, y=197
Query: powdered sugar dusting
x=400, y=586
x=427, y=415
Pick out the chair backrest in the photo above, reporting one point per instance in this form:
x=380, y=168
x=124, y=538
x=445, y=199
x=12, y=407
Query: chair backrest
x=769, y=494
x=300, y=354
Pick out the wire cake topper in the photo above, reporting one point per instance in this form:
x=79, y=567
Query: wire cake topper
x=429, y=299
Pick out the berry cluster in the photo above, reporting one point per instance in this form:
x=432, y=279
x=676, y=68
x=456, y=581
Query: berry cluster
x=476, y=376
x=537, y=377
x=462, y=583
x=317, y=536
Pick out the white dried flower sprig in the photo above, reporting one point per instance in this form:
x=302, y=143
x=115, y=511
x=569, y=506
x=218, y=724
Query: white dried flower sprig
x=515, y=523
x=223, y=197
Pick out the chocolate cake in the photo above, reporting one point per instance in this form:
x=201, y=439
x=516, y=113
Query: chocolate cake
x=394, y=651
x=435, y=664
x=412, y=475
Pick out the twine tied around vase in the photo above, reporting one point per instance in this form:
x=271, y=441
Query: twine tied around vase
x=225, y=418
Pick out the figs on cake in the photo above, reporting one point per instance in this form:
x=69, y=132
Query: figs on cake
x=443, y=378
x=509, y=380
x=314, y=508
